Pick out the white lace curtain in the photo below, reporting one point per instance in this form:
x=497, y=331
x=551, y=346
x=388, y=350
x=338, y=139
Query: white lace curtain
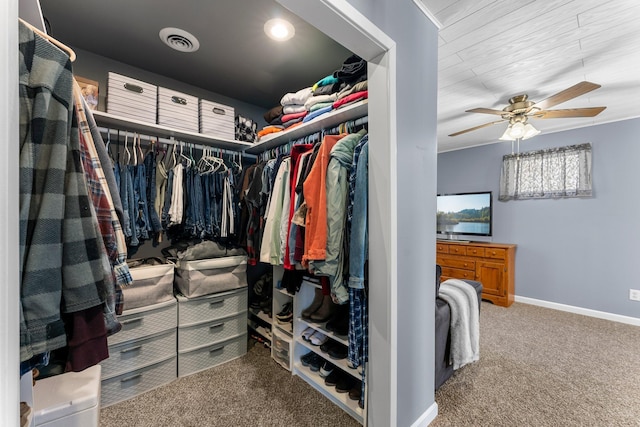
x=543, y=174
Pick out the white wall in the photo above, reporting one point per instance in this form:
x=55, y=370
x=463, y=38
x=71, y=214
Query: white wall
x=577, y=252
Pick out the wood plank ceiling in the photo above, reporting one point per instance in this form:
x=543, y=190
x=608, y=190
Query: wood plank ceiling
x=491, y=50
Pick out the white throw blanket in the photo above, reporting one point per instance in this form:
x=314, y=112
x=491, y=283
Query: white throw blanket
x=465, y=321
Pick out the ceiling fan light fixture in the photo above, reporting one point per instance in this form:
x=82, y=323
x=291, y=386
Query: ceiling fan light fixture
x=529, y=131
x=506, y=136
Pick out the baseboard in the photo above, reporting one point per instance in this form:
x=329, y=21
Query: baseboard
x=427, y=417
x=579, y=310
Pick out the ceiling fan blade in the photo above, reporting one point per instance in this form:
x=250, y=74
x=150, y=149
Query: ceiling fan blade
x=477, y=127
x=489, y=111
x=570, y=112
x=567, y=94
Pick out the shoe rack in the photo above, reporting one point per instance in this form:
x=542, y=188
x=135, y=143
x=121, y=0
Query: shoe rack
x=301, y=347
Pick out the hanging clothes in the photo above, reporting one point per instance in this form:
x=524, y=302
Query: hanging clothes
x=61, y=264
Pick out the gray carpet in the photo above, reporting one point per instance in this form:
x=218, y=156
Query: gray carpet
x=538, y=367
x=542, y=367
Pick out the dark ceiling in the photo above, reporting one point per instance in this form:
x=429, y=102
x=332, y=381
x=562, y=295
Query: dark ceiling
x=235, y=58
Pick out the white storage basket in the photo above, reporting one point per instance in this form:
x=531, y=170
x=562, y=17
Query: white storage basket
x=209, y=276
x=131, y=98
x=177, y=110
x=152, y=284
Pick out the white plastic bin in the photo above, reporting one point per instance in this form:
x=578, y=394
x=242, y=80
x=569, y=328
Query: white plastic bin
x=71, y=399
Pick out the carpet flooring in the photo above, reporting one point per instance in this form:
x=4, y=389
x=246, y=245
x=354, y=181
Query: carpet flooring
x=543, y=367
x=537, y=367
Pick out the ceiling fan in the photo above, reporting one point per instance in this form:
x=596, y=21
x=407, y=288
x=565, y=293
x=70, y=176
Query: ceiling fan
x=519, y=110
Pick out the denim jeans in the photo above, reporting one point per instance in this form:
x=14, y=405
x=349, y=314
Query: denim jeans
x=140, y=201
x=121, y=174
x=167, y=200
x=150, y=166
x=358, y=246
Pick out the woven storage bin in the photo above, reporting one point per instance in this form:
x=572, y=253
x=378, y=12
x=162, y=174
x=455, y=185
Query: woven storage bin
x=152, y=284
x=209, y=276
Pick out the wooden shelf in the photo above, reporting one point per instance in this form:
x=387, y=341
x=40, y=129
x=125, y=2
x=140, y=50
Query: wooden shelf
x=112, y=121
x=324, y=121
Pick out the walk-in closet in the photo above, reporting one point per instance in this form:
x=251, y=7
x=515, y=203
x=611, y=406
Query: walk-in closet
x=224, y=225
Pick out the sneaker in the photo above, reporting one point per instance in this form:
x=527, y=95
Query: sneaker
x=318, y=338
x=306, y=359
x=286, y=314
x=326, y=369
x=333, y=378
x=306, y=334
x=345, y=384
x=316, y=363
x=338, y=351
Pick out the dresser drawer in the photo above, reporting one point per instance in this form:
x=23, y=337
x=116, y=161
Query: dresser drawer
x=456, y=263
x=197, y=360
x=441, y=248
x=131, y=384
x=495, y=253
x=211, y=307
x=457, y=250
x=457, y=273
x=475, y=251
x=135, y=354
x=145, y=321
x=197, y=335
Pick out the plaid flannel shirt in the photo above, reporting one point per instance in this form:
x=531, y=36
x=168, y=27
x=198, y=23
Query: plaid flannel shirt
x=61, y=262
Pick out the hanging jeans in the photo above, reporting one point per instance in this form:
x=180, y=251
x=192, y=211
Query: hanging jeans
x=140, y=201
x=150, y=167
x=166, y=220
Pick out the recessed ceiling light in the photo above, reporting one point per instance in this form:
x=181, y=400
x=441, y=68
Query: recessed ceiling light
x=179, y=39
x=279, y=29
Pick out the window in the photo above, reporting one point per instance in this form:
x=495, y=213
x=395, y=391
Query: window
x=543, y=174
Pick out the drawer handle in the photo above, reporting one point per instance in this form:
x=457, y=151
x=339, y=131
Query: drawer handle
x=131, y=378
x=220, y=111
x=215, y=350
x=126, y=322
x=133, y=88
x=219, y=325
x=221, y=302
x=178, y=100
x=128, y=350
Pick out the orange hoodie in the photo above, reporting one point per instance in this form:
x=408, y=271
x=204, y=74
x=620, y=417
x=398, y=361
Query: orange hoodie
x=314, y=188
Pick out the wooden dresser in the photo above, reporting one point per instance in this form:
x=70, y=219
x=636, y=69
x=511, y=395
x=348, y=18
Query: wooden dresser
x=492, y=264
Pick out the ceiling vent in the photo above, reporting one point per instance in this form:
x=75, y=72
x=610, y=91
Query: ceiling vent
x=179, y=39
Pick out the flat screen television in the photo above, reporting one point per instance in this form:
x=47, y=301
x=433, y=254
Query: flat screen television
x=464, y=214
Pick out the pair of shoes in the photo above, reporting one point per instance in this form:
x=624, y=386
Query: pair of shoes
x=342, y=381
x=306, y=334
x=312, y=360
x=326, y=369
x=318, y=338
x=339, y=322
x=286, y=314
x=335, y=349
x=356, y=391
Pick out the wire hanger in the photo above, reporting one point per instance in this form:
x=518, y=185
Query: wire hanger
x=64, y=47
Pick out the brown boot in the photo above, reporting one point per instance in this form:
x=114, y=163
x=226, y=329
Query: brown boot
x=325, y=311
x=315, y=304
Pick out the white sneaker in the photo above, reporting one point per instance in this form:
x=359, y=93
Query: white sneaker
x=318, y=338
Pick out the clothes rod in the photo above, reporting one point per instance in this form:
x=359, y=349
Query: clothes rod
x=153, y=139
